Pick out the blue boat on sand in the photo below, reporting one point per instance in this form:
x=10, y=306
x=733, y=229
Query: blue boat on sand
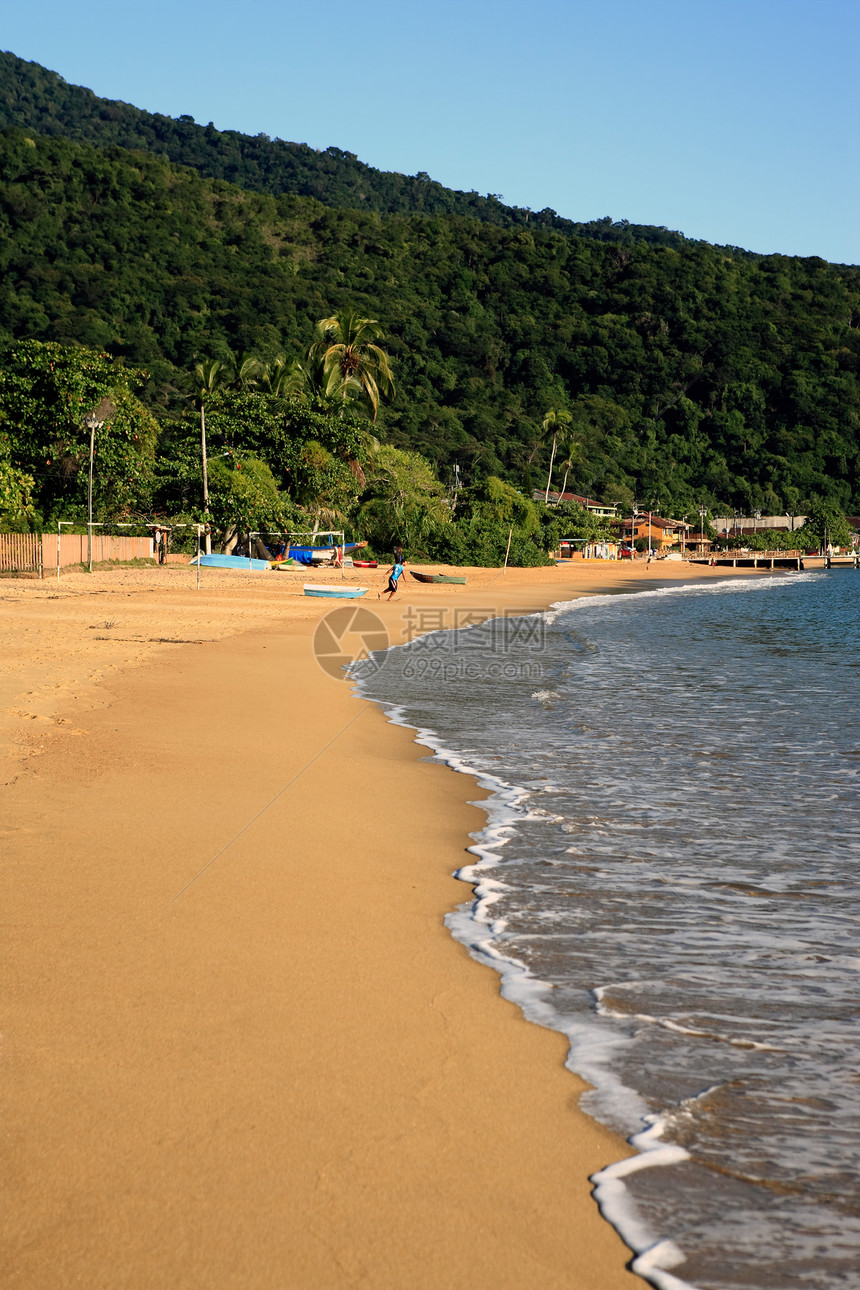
x=334, y=592
x=231, y=562
x=322, y=554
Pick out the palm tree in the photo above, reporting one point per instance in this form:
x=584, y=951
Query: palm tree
x=571, y=446
x=353, y=366
x=553, y=422
x=209, y=375
x=246, y=372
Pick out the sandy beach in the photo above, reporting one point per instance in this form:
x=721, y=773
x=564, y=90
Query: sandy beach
x=241, y=1049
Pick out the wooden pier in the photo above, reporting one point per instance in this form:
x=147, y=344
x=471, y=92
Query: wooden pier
x=799, y=562
x=831, y=561
x=752, y=561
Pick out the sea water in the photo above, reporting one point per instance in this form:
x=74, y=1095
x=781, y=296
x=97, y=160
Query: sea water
x=670, y=875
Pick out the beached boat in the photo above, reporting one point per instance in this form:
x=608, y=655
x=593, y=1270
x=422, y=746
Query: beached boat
x=437, y=577
x=366, y=564
x=232, y=562
x=322, y=554
x=333, y=592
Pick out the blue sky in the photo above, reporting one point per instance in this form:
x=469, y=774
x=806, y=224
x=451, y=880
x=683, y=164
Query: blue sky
x=737, y=121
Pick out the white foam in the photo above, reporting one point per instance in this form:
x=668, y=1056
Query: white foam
x=589, y=1056
x=666, y=1023
x=729, y=586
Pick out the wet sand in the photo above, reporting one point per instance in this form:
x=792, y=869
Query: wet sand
x=241, y=1048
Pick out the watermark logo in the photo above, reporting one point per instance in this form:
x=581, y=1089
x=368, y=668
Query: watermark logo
x=467, y=644
x=350, y=634
x=463, y=643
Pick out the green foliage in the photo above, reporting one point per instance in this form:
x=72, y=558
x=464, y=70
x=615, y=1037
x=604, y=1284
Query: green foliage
x=405, y=504
x=16, y=489
x=353, y=365
x=315, y=453
x=489, y=514
x=46, y=390
x=576, y=522
x=766, y=540
x=825, y=524
x=244, y=495
x=473, y=541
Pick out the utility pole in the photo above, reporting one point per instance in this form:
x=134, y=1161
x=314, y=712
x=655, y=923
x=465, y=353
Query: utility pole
x=456, y=487
x=94, y=421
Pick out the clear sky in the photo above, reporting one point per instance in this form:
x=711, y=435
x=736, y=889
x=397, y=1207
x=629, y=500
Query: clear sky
x=737, y=121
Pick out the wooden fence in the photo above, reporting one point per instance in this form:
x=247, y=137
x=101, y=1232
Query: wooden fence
x=73, y=549
x=21, y=553
x=34, y=552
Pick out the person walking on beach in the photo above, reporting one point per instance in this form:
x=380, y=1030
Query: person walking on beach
x=395, y=573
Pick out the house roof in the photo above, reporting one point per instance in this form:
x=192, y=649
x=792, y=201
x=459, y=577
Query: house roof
x=539, y=494
x=658, y=523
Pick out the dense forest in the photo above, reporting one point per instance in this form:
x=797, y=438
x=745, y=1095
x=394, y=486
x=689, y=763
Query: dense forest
x=689, y=374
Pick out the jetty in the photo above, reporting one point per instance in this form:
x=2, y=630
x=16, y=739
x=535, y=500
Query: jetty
x=785, y=560
x=751, y=561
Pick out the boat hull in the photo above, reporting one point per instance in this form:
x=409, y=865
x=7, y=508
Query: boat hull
x=321, y=554
x=239, y=562
x=438, y=577
x=333, y=593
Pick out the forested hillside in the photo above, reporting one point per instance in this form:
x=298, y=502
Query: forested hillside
x=693, y=375
x=42, y=101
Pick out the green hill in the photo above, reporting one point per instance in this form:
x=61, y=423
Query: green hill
x=42, y=101
x=694, y=374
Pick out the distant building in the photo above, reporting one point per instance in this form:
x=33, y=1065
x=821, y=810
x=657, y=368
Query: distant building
x=601, y=509
x=663, y=533
x=727, y=525
x=581, y=548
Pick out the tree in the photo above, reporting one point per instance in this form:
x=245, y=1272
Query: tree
x=553, y=422
x=571, y=446
x=825, y=525
x=46, y=391
x=16, y=491
x=406, y=502
x=245, y=498
x=353, y=365
x=245, y=372
x=577, y=522
x=210, y=375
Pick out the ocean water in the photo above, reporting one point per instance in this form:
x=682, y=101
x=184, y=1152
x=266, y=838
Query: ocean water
x=670, y=875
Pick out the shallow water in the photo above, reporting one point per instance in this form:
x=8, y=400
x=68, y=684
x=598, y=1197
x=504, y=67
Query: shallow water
x=670, y=875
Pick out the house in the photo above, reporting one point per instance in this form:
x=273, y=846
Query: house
x=662, y=533
x=602, y=510
x=731, y=525
x=581, y=548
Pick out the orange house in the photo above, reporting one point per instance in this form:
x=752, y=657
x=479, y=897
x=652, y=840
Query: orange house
x=663, y=533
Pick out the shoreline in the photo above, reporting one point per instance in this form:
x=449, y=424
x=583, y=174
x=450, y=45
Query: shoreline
x=244, y=1049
